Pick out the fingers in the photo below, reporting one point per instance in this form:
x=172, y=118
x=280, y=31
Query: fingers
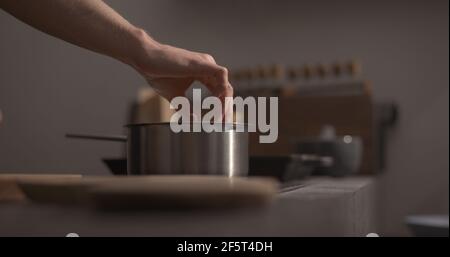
x=216, y=79
x=217, y=82
x=208, y=58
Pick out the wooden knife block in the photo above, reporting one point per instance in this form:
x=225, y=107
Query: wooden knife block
x=150, y=108
x=302, y=117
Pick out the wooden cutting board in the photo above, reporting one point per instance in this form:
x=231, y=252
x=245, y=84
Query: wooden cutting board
x=153, y=192
x=10, y=191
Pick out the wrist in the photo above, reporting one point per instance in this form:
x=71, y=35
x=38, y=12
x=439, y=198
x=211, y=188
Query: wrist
x=141, y=47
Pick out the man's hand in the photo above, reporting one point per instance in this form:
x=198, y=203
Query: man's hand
x=170, y=70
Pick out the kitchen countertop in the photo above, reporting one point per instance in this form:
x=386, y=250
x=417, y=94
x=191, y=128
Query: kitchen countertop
x=321, y=207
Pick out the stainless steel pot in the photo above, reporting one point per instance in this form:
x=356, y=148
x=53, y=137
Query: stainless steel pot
x=155, y=149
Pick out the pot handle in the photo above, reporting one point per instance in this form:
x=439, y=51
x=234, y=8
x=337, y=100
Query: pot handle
x=312, y=159
x=117, y=138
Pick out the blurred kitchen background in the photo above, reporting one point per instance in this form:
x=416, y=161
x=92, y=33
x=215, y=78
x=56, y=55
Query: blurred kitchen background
x=398, y=51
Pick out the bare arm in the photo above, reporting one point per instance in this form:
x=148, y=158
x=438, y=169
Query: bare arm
x=94, y=25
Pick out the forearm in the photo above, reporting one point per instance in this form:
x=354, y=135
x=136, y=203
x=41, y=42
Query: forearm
x=89, y=24
x=92, y=24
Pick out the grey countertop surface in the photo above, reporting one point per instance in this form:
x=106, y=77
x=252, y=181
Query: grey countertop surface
x=321, y=207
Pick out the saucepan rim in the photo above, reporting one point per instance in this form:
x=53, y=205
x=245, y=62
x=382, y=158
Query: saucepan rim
x=234, y=124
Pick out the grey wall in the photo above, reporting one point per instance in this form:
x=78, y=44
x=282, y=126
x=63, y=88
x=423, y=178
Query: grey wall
x=48, y=87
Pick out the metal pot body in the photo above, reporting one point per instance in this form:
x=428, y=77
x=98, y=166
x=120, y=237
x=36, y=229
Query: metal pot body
x=156, y=149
